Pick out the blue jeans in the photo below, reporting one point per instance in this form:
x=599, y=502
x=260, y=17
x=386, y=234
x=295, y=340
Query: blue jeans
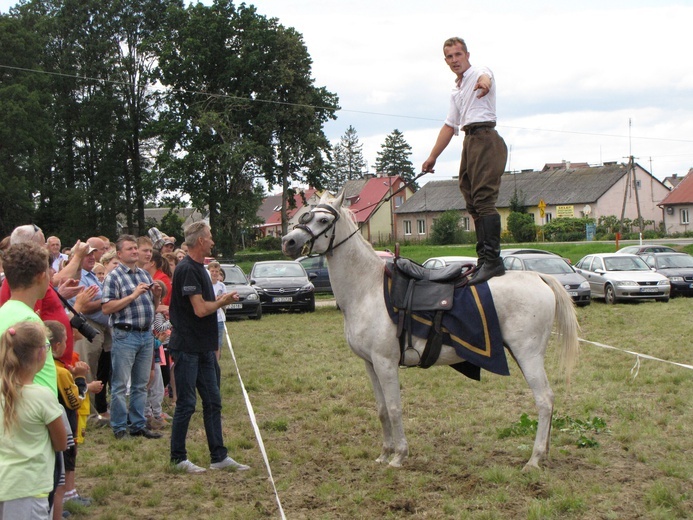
x=196, y=371
x=131, y=360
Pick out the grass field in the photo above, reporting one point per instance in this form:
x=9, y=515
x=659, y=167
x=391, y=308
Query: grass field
x=621, y=444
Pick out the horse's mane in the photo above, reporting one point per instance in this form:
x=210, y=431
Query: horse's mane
x=348, y=217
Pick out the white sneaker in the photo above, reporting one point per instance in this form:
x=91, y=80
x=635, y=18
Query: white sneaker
x=189, y=467
x=228, y=462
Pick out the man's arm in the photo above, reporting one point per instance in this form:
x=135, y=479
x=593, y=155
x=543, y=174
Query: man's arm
x=203, y=308
x=113, y=306
x=442, y=142
x=74, y=266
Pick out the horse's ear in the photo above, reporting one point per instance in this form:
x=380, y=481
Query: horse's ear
x=339, y=200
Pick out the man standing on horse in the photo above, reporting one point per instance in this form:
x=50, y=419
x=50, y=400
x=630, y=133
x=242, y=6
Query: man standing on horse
x=484, y=153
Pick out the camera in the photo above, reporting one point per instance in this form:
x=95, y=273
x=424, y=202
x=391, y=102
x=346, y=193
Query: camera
x=79, y=322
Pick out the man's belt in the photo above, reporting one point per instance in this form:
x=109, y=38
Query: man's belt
x=473, y=127
x=128, y=327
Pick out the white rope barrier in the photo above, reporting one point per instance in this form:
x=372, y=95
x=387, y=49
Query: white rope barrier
x=638, y=356
x=253, y=421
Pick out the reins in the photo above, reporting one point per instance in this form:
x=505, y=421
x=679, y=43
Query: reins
x=332, y=246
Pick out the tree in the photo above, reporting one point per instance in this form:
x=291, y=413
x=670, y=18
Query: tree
x=446, y=228
x=393, y=158
x=520, y=223
x=347, y=161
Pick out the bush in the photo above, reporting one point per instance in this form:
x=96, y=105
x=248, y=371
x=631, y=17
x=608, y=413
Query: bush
x=522, y=227
x=446, y=228
x=269, y=244
x=566, y=229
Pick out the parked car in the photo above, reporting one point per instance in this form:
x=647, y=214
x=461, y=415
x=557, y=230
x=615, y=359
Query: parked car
x=527, y=251
x=316, y=267
x=616, y=276
x=249, y=303
x=578, y=288
x=678, y=267
x=646, y=248
x=438, y=262
x=283, y=284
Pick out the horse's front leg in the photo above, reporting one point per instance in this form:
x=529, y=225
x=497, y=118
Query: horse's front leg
x=385, y=379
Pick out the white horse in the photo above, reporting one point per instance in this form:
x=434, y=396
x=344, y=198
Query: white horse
x=526, y=303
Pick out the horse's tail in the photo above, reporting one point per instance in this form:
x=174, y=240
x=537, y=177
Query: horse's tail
x=567, y=325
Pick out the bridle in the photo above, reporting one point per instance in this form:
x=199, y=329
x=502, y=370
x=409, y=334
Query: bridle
x=308, y=216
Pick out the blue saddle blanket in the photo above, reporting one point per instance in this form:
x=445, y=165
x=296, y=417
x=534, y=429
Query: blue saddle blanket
x=471, y=326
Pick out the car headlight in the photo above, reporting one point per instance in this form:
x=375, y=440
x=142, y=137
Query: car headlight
x=663, y=282
x=626, y=283
x=252, y=297
x=675, y=279
x=585, y=285
x=309, y=287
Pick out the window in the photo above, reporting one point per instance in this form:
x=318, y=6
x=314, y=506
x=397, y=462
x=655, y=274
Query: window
x=684, y=217
x=407, y=227
x=399, y=200
x=421, y=226
x=465, y=223
x=548, y=217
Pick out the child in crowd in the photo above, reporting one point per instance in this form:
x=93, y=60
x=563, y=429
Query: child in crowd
x=72, y=394
x=161, y=328
x=31, y=425
x=219, y=286
x=100, y=271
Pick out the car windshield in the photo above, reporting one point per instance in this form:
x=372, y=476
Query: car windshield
x=625, y=263
x=548, y=265
x=234, y=276
x=674, y=261
x=278, y=270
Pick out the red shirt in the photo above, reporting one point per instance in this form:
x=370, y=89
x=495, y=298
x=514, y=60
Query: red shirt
x=49, y=308
x=160, y=275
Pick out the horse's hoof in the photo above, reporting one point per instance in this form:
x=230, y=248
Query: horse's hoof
x=530, y=468
x=397, y=461
x=382, y=459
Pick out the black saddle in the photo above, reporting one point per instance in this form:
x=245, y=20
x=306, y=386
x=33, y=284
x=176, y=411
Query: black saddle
x=416, y=288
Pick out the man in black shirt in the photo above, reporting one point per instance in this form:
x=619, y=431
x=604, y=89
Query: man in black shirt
x=194, y=340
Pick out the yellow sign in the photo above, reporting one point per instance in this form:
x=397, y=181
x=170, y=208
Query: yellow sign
x=565, y=211
x=542, y=207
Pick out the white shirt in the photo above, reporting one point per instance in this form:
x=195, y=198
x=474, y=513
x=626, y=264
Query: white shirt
x=220, y=289
x=465, y=107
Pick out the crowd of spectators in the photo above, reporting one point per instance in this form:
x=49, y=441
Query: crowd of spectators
x=101, y=359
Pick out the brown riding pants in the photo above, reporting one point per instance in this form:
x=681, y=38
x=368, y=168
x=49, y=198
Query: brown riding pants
x=484, y=155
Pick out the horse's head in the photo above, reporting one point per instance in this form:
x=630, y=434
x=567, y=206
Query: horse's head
x=315, y=231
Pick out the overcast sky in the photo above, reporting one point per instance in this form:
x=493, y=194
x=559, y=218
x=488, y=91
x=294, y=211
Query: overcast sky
x=570, y=75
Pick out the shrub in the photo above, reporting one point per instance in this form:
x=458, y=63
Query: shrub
x=446, y=228
x=522, y=227
x=269, y=244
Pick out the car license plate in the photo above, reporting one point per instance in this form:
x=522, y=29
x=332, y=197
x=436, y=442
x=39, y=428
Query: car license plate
x=282, y=299
x=572, y=293
x=236, y=306
x=649, y=289
x=691, y=286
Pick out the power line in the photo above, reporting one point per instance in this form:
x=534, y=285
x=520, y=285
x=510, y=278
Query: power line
x=317, y=107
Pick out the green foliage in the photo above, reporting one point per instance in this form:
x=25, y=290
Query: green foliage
x=526, y=426
x=446, y=229
x=393, y=157
x=347, y=161
x=172, y=225
x=269, y=243
x=522, y=227
x=517, y=202
x=566, y=229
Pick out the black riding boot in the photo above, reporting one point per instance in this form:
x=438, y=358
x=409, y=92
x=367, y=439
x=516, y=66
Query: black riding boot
x=493, y=263
x=478, y=227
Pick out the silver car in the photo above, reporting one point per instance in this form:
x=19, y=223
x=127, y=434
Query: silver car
x=616, y=276
x=578, y=288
